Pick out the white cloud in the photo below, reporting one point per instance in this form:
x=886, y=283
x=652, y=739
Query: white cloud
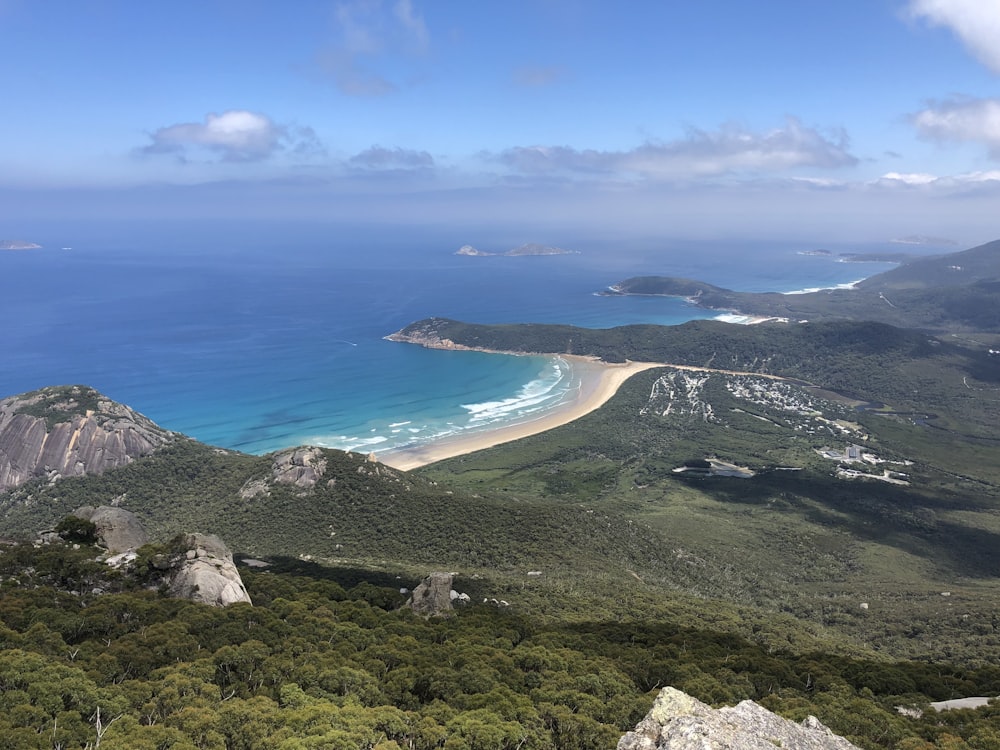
x=370, y=35
x=909, y=178
x=237, y=135
x=729, y=150
x=975, y=22
x=962, y=120
x=378, y=157
x=938, y=182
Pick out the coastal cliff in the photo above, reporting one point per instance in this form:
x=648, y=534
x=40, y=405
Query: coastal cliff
x=69, y=431
x=426, y=333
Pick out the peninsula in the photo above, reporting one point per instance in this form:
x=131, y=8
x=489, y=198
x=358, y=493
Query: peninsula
x=952, y=292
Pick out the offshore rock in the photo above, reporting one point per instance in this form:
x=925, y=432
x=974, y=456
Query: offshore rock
x=18, y=245
x=203, y=571
x=69, y=431
x=433, y=596
x=679, y=722
x=118, y=530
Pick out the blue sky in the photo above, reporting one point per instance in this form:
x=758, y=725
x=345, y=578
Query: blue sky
x=859, y=119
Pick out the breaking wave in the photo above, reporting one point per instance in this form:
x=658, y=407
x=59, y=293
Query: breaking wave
x=537, y=395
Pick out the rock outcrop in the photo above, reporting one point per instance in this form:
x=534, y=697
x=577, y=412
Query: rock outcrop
x=679, y=722
x=70, y=431
x=302, y=467
x=203, y=571
x=118, y=530
x=433, y=596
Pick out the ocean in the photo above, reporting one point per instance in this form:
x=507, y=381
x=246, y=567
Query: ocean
x=264, y=336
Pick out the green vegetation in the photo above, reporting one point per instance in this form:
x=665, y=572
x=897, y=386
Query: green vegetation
x=870, y=362
x=77, y=530
x=317, y=664
x=954, y=292
x=59, y=403
x=856, y=570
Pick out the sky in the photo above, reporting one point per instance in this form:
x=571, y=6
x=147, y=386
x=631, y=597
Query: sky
x=854, y=120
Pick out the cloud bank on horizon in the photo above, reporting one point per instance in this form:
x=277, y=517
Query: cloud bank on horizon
x=867, y=117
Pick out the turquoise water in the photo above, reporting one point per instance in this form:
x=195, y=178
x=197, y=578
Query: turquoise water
x=258, y=338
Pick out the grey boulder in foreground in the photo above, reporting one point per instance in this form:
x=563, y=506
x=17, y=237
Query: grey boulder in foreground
x=679, y=722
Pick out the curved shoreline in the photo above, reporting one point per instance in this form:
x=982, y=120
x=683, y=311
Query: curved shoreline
x=599, y=381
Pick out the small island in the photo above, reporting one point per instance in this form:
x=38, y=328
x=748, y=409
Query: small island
x=921, y=239
x=530, y=248
x=18, y=245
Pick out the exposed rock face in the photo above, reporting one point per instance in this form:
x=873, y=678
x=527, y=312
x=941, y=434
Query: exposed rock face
x=433, y=596
x=425, y=333
x=206, y=573
x=679, y=722
x=69, y=431
x=118, y=530
x=302, y=467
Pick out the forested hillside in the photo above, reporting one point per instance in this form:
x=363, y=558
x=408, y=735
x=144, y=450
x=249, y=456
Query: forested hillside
x=313, y=665
x=603, y=559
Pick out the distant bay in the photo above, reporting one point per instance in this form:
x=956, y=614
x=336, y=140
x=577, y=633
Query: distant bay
x=267, y=336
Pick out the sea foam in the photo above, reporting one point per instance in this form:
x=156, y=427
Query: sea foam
x=537, y=395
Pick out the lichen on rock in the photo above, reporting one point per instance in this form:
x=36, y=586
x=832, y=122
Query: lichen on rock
x=679, y=722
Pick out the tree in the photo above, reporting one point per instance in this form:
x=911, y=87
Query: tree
x=77, y=530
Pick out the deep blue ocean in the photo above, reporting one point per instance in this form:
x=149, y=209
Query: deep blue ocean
x=270, y=335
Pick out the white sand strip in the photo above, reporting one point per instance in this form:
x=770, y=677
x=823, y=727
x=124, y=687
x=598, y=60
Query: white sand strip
x=599, y=381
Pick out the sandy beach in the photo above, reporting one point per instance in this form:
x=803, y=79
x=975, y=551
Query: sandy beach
x=599, y=381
